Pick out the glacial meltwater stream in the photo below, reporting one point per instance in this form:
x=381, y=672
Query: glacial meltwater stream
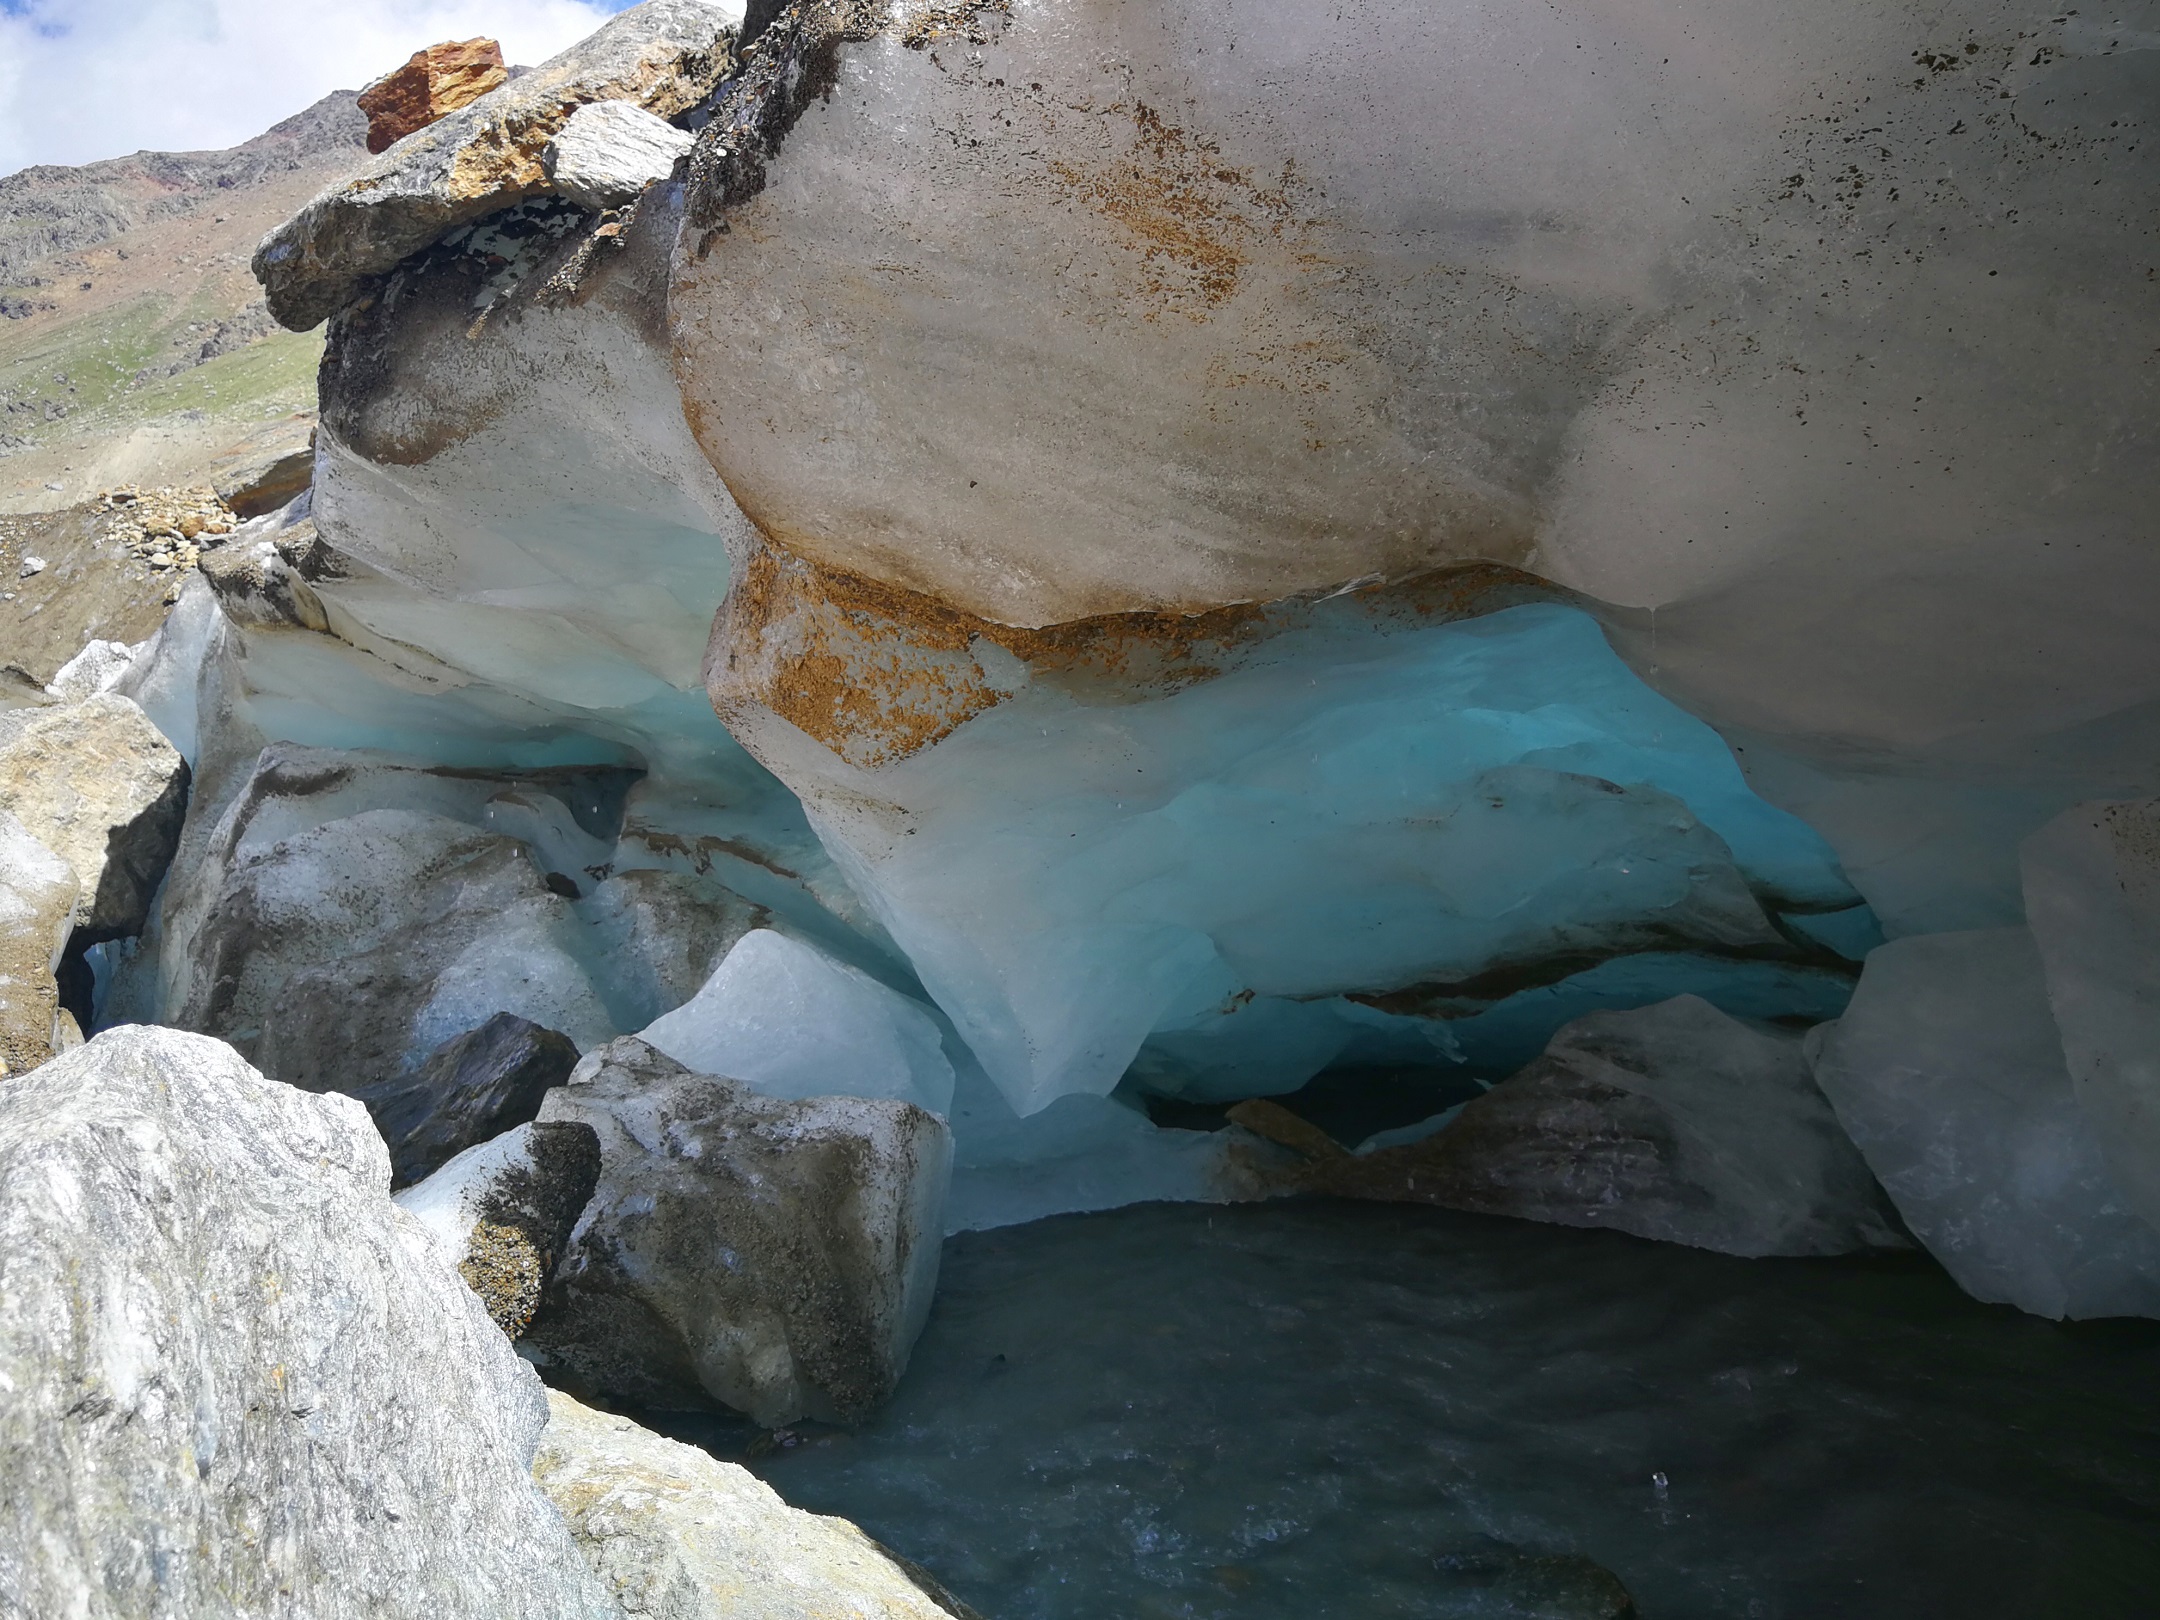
x=1305, y=1410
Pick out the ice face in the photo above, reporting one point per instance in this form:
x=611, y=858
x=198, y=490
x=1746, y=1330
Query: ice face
x=2092, y=890
x=1391, y=812
x=790, y=1021
x=1948, y=1074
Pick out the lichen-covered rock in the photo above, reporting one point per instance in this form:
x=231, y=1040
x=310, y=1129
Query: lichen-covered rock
x=664, y=55
x=237, y=1380
x=431, y=84
x=677, y=1534
x=610, y=152
x=38, y=895
x=472, y=1087
x=1672, y=1122
x=502, y=1210
x=100, y=785
x=774, y=1256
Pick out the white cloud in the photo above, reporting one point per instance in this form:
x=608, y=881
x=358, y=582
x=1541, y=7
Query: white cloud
x=84, y=79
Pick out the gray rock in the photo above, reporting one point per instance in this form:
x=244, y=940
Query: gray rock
x=38, y=892
x=341, y=956
x=1672, y=1122
x=473, y=1087
x=501, y=1212
x=98, y=783
x=609, y=152
x=239, y=1381
x=675, y=1533
x=258, y=586
x=665, y=55
x=771, y=1255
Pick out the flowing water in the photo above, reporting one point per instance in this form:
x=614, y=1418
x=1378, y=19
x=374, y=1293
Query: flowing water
x=1318, y=1410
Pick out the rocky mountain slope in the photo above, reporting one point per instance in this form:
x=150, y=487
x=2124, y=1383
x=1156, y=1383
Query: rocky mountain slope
x=134, y=346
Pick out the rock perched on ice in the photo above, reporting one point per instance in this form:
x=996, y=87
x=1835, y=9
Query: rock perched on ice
x=673, y=1532
x=238, y=1381
x=773, y=1255
x=431, y=84
x=260, y=583
x=610, y=151
x=100, y=785
x=501, y=1212
x=2092, y=898
x=664, y=55
x=788, y=1020
x=1949, y=1074
x=472, y=1087
x=95, y=669
x=1672, y=1122
x=38, y=895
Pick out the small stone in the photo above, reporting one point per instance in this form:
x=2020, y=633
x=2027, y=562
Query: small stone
x=31, y=566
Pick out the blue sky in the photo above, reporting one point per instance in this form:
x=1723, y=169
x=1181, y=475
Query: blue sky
x=84, y=79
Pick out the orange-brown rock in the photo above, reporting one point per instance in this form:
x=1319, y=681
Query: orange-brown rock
x=434, y=82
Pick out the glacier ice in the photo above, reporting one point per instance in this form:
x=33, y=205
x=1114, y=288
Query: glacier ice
x=1424, y=817
x=1949, y=1075
x=2092, y=892
x=789, y=1021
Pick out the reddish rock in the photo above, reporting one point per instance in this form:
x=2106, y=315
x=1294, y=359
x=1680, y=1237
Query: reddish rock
x=434, y=82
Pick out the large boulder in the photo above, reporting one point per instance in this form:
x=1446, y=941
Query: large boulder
x=472, y=1087
x=502, y=1210
x=238, y=1381
x=664, y=55
x=1672, y=1122
x=38, y=894
x=675, y=1533
x=2092, y=898
x=1948, y=1071
x=100, y=785
x=771, y=1255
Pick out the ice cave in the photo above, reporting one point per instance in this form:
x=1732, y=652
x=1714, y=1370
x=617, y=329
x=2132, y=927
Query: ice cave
x=1233, y=810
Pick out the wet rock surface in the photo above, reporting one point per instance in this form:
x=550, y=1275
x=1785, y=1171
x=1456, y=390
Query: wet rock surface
x=179, y=1437
x=1274, y=1411
x=673, y=1532
x=474, y=1086
x=770, y=1255
x=100, y=785
x=1672, y=1122
x=502, y=1210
